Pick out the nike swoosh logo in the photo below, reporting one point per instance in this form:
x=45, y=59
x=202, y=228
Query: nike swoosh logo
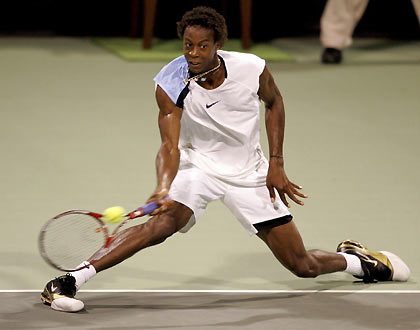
x=53, y=287
x=210, y=105
x=374, y=262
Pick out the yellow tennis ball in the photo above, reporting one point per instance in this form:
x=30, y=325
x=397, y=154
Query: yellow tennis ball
x=113, y=214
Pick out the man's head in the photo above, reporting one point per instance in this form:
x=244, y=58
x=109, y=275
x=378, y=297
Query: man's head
x=203, y=31
x=207, y=18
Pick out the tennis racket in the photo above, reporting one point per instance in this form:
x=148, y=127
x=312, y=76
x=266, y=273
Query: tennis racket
x=74, y=236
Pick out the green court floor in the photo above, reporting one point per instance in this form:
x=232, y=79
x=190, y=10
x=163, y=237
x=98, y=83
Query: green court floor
x=78, y=130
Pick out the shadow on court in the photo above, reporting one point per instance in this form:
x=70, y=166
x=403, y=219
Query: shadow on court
x=321, y=310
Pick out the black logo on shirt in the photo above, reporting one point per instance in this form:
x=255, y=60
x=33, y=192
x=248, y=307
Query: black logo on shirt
x=211, y=104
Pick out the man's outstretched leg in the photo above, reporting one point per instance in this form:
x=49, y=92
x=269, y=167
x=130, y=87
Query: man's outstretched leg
x=286, y=244
x=59, y=293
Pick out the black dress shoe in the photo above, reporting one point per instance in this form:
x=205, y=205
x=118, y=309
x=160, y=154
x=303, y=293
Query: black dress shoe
x=331, y=56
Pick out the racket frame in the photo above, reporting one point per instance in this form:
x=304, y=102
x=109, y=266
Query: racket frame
x=96, y=216
x=139, y=212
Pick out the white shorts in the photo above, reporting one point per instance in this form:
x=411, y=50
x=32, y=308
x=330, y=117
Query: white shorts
x=250, y=205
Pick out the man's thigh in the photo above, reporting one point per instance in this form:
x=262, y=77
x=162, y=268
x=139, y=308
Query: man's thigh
x=195, y=189
x=252, y=205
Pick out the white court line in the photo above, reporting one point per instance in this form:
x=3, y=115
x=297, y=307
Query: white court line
x=229, y=291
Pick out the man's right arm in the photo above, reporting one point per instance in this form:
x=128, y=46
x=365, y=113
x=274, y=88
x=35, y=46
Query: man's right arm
x=167, y=159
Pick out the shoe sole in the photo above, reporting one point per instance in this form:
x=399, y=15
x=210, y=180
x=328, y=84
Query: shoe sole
x=401, y=270
x=67, y=304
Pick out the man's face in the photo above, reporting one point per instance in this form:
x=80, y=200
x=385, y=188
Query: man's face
x=200, y=48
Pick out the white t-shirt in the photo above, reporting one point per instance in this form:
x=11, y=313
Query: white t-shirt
x=220, y=128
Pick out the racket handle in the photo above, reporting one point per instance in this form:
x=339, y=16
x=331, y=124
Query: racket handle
x=145, y=209
x=148, y=208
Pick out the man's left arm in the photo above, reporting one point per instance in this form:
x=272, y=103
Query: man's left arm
x=275, y=122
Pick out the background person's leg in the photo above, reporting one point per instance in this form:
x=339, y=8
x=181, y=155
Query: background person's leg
x=338, y=21
x=416, y=5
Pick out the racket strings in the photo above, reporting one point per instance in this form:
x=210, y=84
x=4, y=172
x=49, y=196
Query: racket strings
x=72, y=239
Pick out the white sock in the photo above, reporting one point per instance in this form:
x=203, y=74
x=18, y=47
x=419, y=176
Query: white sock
x=83, y=275
x=354, y=265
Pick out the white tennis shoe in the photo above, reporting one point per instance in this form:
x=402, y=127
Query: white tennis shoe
x=377, y=266
x=59, y=294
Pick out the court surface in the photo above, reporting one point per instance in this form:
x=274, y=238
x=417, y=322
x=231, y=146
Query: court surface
x=216, y=310
x=78, y=130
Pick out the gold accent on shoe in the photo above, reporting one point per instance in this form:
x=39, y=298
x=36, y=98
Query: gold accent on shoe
x=376, y=266
x=60, y=287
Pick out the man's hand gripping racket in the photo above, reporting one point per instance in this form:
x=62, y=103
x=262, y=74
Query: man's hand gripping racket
x=74, y=236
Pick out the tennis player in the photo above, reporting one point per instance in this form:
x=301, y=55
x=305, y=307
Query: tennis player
x=209, y=110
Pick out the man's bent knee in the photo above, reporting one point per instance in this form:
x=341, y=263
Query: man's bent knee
x=305, y=271
x=166, y=224
x=306, y=267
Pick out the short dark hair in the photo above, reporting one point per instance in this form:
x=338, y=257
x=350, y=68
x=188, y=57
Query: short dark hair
x=207, y=18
